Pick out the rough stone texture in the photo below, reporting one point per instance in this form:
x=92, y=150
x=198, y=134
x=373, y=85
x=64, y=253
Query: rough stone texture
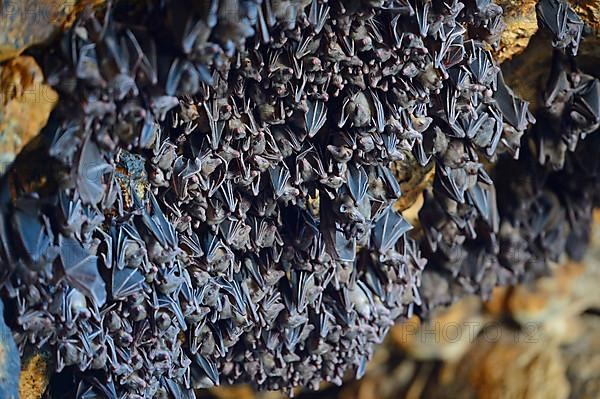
x=504, y=369
x=589, y=11
x=413, y=180
x=26, y=105
x=583, y=360
x=10, y=362
x=554, y=353
x=34, y=376
x=26, y=23
x=582, y=355
x=447, y=335
x=526, y=68
x=521, y=23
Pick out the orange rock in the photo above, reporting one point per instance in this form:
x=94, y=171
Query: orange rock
x=596, y=216
x=233, y=392
x=521, y=23
x=27, y=102
x=447, y=335
x=413, y=180
x=516, y=370
x=498, y=302
x=589, y=11
x=411, y=214
x=26, y=23
x=549, y=297
x=34, y=377
x=583, y=360
x=240, y=392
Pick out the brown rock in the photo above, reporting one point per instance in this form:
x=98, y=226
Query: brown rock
x=447, y=335
x=583, y=360
x=503, y=369
x=521, y=23
x=26, y=105
x=497, y=305
x=26, y=23
x=547, y=297
x=10, y=362
x=413, y=179
x=34, y=377
x=589, y=11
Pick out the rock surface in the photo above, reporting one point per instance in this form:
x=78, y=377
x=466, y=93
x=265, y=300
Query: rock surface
x=27, y=23
x=26, y=105
x=34, y=376
x=10, y=362
x=521, y=24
